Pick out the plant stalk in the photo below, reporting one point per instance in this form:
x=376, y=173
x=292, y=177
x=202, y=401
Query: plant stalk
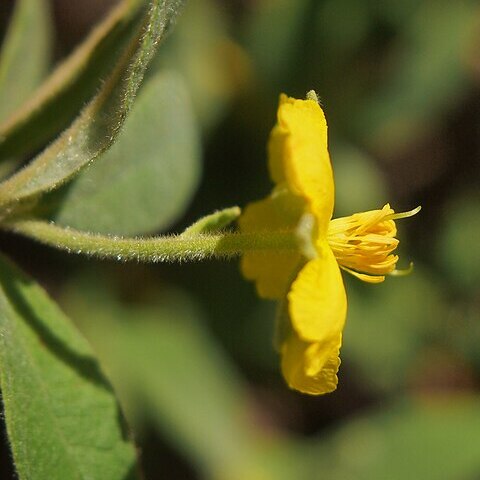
x=175, y=248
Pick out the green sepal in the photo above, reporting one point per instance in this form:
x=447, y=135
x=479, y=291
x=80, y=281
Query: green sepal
x=214, y=222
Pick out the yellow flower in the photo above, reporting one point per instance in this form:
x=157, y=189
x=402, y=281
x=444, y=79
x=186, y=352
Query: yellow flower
x=308, y=281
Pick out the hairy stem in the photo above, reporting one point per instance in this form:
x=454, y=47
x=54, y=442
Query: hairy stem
x=153, y=249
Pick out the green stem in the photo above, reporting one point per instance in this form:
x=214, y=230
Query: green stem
x=153, y=249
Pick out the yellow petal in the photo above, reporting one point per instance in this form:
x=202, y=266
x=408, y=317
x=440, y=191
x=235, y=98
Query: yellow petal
x=272, y=271
x=317, y=300
x=298, y=155
x=276, y=146
x=311, y=367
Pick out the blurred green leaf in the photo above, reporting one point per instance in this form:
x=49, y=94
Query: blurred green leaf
x=461, y=331
x=99, y=123
x=428, y=74
x=214, y=66
x=393, y=11
x=274, y=38
x=166, y=365
x=186, y=384
x=146, y=179
x=337, y=44
x=25, y=53
x=62, y=418
x=53, y=106
x=388, y=325
x=461, y=224
x=434, y=439
x=359, y=184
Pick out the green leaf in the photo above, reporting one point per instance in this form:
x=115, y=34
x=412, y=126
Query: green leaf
x=147, y=178
x=25, y=53
x=63, y=421
x=54, y=105
x=101, y=120
x=214, y=222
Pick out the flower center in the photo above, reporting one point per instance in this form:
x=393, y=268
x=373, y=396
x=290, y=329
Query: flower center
x=363, y=243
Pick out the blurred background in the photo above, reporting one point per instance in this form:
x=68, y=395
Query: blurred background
x=189, y=348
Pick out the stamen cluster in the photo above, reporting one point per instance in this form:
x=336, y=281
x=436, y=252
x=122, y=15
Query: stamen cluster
x=363, y=243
